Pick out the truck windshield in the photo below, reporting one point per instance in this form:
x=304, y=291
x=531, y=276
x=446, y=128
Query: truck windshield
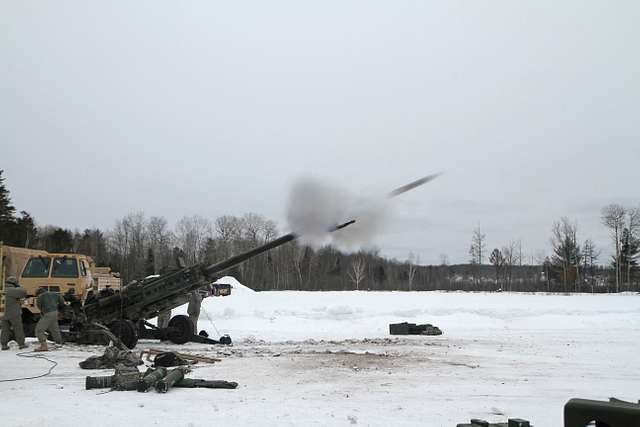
x=37, y=267
x=64, y=267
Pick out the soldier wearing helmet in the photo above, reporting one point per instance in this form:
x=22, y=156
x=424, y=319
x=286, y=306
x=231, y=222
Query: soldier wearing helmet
x=48, y=302
x=12, y=319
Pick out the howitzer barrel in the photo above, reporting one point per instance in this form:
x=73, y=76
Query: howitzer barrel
x=235, y=260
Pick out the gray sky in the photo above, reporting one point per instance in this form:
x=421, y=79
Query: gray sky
x=180, y=108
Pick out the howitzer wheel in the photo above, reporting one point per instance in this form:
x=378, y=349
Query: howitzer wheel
x=180, y=329
x=126, y=332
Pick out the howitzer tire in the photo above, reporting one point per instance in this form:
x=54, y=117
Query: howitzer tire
x=126, y=332
x=180, y=329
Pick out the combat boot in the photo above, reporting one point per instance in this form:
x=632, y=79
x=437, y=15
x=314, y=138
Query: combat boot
x=43, y=347
x=5, y=347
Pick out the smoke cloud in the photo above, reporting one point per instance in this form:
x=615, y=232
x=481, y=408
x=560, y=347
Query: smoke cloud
x=314, y=207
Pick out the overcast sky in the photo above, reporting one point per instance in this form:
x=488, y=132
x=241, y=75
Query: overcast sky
x=179, y=108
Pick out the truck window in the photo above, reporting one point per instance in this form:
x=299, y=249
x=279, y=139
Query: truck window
x=64, y=267
x=83, y=268
x=37, y=267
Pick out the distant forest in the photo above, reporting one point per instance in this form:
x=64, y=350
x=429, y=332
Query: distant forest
x=138, y=246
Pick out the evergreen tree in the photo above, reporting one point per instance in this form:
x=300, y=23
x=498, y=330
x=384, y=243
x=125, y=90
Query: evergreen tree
x=25, y=231
x=61, y=240
x=15, y=230
x=629, y=251
x=91, y=242
x=7, y=211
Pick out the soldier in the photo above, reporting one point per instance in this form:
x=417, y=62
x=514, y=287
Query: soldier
x=92, y=293
x=193, y=309
x=163, y=318
x=48, y=303
x=12, y=318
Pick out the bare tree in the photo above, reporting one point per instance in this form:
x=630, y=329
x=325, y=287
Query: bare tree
x=444, y=259
x=358, y=270
x=305, y=262
x=229, y=230
x=520, y=252
x=511, y=258
x=590, y=255
x=613, y=218
x=497, y=259
x=270, y=230
x=298, y=255
x=160, y=238
x=118, y=244
x=228, y=227
x=413, y=260
x=520, y=258
x=191, y=236
x=128, y=240
x=254, y=227
x=478, y=244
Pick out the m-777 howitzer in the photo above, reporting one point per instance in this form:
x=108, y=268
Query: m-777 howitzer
x=125, y=313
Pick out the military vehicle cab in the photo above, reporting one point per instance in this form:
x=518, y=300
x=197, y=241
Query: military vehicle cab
x=62, y=273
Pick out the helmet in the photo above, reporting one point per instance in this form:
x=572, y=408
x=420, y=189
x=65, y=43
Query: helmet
x=11, y=280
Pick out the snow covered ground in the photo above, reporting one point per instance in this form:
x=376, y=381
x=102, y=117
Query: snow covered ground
x=326, y=359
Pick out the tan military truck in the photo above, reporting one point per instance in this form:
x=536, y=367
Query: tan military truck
x=58, y=272
x=13, y=260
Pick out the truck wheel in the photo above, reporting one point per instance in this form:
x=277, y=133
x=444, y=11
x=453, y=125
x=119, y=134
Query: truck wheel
x=28, y=323
x=125, y=330
x=29, y=328
x=180, y=329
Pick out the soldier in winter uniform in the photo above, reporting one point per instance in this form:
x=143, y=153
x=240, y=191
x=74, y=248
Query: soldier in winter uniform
x=48, y=302
x=12, y=319
x=163, y=318
x=193, y=309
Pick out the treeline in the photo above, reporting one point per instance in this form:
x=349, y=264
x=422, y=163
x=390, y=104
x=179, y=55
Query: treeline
x=571, y=266
x=138, y=246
